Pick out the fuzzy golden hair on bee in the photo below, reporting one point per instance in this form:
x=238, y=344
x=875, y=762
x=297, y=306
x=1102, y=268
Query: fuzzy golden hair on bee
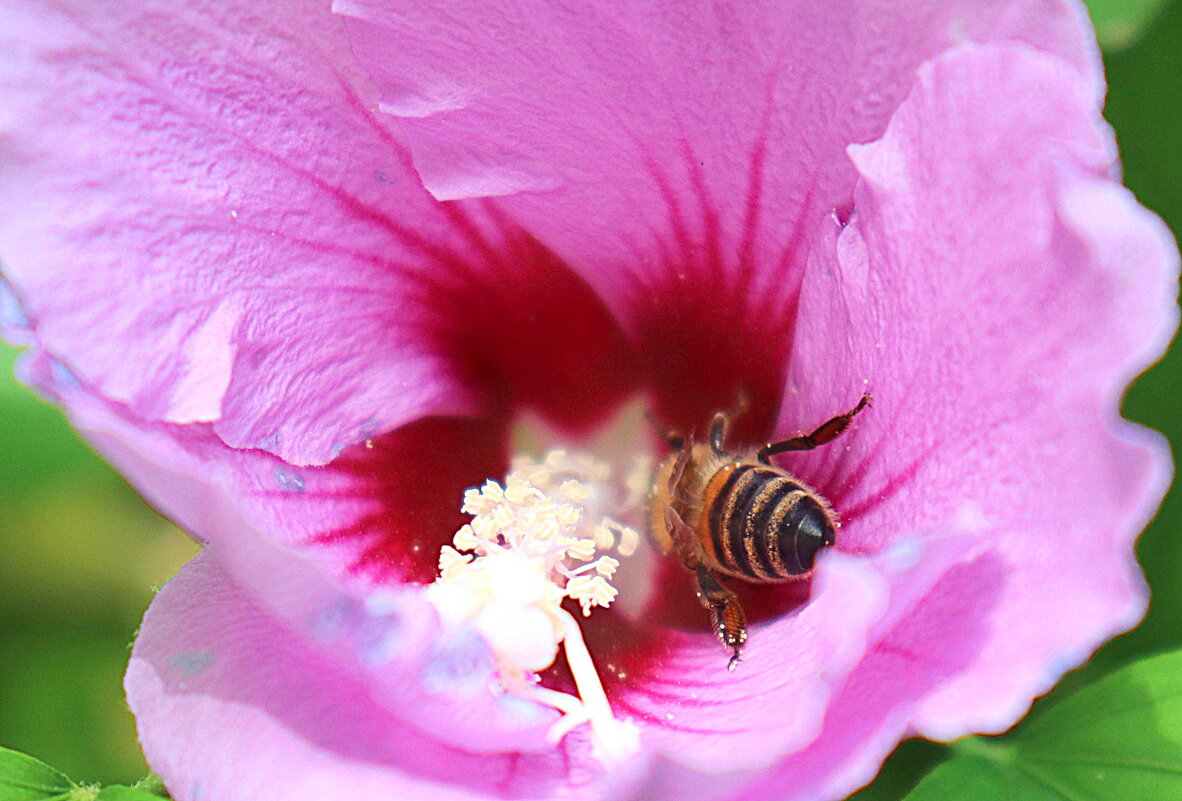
x=735, y=514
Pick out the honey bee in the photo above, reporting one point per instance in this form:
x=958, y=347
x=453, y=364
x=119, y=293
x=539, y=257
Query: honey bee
x=738, y=515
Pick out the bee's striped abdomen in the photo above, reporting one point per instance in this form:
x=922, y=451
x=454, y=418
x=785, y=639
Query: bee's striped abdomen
x=764, y=526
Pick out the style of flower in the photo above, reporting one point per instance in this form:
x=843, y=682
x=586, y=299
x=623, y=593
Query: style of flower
x=303, y=273
x=527, y=550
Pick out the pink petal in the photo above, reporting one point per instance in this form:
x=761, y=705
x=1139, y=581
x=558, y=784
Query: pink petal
x=867, y=718
x=996, y=291
x=713, y=721
x=702, y=715
x=954, y=575
x=310, y=589
x=231, y=705
x=677, y=156
x=199, y=211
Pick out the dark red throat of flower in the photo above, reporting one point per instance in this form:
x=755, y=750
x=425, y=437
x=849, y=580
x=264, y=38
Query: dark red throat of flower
x=533, y=337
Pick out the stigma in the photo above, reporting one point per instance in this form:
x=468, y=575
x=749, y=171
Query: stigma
x=534, y=542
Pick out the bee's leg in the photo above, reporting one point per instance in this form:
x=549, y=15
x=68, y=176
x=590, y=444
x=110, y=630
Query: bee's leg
x=826, y=432
x=729, y=621
x=679, y=465
x=681, y=536
x=718, y=433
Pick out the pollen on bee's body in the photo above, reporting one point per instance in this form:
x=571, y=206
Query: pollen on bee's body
x=534, y=542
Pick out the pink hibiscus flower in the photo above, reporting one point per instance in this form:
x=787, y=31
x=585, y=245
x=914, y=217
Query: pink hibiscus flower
x=300, y=275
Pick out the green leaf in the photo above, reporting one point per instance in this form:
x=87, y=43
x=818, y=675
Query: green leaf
x=968, y=777
x=152, y=784
x=1120, y=22
x=1119, y=739
x=119, y=792
x=1124, y=731
x=23, y=778
x=910, y=762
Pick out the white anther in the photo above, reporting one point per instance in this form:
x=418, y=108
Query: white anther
x=629, y=541
x=465, y=539
x=606, y=566
x=574, y=491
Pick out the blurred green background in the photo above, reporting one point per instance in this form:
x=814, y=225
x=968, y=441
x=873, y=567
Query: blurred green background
x=81, y=553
